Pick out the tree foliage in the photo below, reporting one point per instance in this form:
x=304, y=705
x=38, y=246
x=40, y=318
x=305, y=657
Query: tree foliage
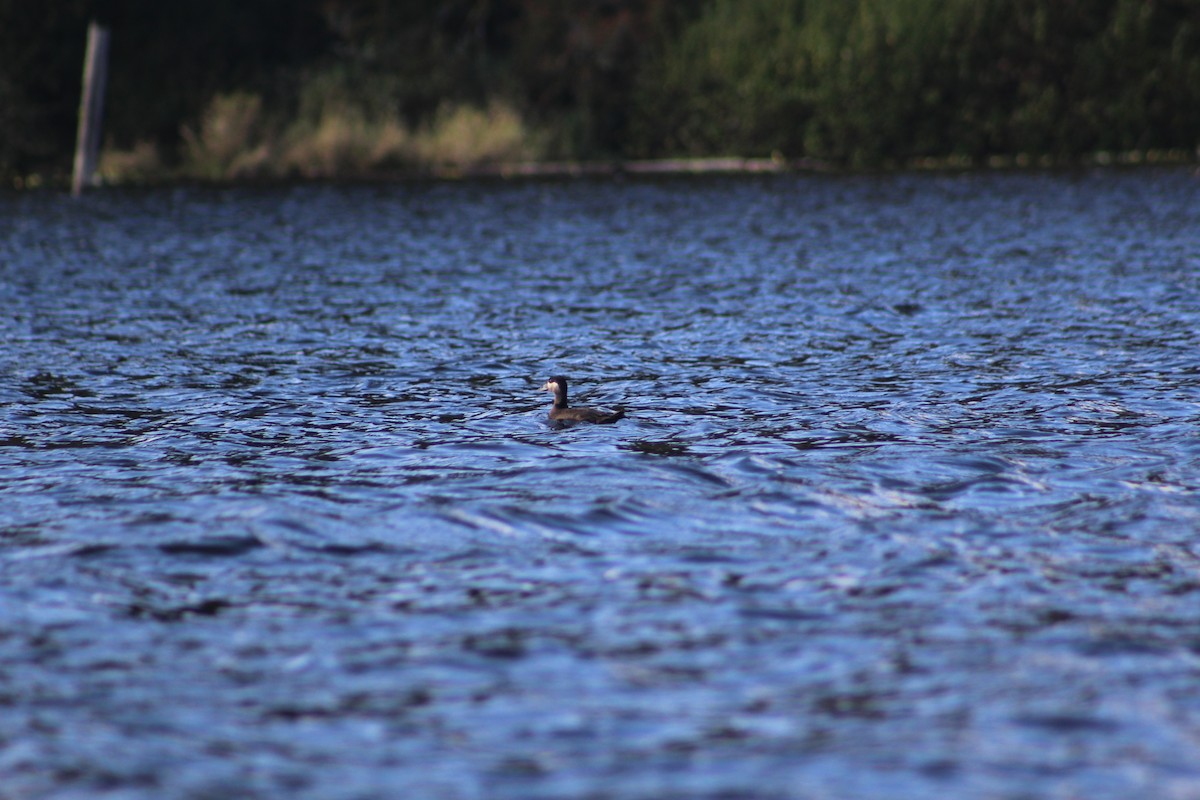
x=859, y=82
x=867, y=81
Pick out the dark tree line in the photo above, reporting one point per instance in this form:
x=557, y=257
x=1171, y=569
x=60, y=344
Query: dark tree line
x=851, y=81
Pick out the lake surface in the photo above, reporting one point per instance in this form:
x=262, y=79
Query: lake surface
x=906, y=504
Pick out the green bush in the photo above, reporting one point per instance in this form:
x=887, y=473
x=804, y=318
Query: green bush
x=869, y=82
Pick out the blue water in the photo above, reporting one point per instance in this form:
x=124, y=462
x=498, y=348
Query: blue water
x=906, y=504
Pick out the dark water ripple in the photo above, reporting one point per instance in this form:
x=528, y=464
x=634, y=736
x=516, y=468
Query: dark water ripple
x=906, y=503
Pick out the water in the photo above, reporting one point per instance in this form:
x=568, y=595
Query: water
x=906, y=503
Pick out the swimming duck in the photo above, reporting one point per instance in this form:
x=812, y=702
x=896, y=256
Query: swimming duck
x=561, y=412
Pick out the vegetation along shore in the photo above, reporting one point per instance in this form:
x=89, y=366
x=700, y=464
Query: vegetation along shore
x=283, y=89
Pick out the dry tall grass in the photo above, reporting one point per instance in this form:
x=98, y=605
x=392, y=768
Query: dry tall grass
x=462, y=137
x=343, y=143
x=233, y=140
x=236, y=139
x=140, y=163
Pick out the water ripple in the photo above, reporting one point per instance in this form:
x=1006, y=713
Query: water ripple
x=908, y=459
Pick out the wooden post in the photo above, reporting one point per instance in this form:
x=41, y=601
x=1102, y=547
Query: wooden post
x=91, y=107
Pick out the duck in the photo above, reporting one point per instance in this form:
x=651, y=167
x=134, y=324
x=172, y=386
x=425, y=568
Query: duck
x=562, y=412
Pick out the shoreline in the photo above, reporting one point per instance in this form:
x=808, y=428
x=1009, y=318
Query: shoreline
x=652, y=168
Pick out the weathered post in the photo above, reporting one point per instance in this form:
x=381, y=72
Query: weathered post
x=91, y=107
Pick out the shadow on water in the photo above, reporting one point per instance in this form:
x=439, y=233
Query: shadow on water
x=908, y=460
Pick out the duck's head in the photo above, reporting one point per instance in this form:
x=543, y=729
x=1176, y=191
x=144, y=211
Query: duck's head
x=557, y=385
